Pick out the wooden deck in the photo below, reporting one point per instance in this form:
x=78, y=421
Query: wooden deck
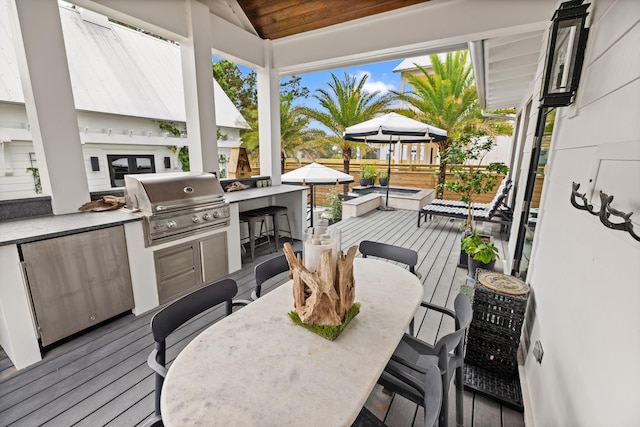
x=100, y=377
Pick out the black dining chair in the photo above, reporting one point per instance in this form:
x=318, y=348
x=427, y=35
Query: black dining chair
x=174, y=315
x=392, y=253
x=412, y=358
x=431, y=388
x=268, y=269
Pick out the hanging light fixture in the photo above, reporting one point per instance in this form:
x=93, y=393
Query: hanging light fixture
x=565, y=54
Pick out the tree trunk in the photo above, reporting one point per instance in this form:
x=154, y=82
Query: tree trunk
x=283, y=158
x=346, y=159
x=441, y=180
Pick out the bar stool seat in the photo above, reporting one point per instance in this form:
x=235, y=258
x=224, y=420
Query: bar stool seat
x=276, y=212
x=251, y=217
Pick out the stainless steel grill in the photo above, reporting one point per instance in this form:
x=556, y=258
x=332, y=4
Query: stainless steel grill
x=176, y=204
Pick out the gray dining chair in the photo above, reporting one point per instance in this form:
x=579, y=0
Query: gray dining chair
x=268, y=269
x=412, y=358
x=431, y=387
x=174, y=315
x=390, y=252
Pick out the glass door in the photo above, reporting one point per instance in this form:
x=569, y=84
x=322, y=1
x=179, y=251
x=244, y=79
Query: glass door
x=533, y=192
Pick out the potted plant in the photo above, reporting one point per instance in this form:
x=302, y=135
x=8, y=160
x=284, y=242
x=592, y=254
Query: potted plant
x=367, y=174
x=334, y=209
x=481, y=252
x=465, y=155
x=383, y=177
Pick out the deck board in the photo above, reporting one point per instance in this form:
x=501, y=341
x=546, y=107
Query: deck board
x=100, y=377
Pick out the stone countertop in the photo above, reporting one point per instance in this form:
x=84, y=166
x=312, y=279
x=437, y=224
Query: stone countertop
x=256, y=193
x=256, y=367
x=45, y=227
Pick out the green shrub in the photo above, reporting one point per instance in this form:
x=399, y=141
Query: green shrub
x=334, y=205
x=368, y=171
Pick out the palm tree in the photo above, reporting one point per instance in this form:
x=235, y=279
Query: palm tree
x=447, y=98
x=295, y=135
x=346, y=103
x=296, y=138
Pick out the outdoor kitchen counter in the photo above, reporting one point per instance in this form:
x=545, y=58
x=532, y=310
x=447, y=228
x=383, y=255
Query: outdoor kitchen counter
x=294, y=197
x=46, y=227
x=256, y=193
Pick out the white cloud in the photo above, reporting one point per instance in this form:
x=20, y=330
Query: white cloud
x=372, y=85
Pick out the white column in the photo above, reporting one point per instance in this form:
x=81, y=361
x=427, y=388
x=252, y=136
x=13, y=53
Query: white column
x=44, y=72
x=268, y=80
x=197, y=78
x=17, y=331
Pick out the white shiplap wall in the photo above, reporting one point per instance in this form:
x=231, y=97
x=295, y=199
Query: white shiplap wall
x=585, y=277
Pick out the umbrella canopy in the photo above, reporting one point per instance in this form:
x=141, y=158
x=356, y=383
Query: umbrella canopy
x=385, y=127
x=315, y=174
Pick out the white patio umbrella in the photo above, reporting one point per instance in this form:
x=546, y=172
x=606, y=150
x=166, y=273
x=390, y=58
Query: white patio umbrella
x=315, y=174
x=393, y=128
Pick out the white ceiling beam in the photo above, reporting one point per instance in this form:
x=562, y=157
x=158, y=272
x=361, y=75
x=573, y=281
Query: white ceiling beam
x=418, y=28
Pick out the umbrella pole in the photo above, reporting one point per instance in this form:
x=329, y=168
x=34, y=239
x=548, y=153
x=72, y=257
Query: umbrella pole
x=386, y=206
x=312, y=203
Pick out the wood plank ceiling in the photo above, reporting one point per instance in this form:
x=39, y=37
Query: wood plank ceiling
x=276, y=19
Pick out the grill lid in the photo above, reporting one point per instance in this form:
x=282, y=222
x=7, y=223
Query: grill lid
x=160, y=192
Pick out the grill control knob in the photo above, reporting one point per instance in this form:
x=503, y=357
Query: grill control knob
x=195, y=219
x=216, y=214
x=172, y=224
x=207, y=216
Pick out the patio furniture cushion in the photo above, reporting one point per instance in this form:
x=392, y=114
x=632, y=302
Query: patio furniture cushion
x=495, y=215
x=503, y=189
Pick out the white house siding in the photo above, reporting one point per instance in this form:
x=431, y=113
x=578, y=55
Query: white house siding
x=124, y=82
x=585, y=277
x=17, y=182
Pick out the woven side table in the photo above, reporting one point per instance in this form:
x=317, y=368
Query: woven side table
x=491, y=366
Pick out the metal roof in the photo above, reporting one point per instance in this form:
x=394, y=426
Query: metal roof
x=410, y=63
x=116, y=70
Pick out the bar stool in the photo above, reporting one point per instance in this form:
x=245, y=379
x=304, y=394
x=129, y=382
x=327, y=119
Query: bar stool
x=251, y=217
x=276, y=212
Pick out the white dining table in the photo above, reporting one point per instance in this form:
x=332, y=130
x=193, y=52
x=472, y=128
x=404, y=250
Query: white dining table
x=257, y=368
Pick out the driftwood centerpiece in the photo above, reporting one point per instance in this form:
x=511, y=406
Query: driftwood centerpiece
x=325, y=296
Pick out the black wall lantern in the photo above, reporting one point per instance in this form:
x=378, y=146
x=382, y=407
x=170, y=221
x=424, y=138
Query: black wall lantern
x=565, y=54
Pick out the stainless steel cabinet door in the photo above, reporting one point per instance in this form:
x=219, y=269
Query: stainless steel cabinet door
x=176, y=269
x=213, y=257
x=77, y=281
x=183, y=268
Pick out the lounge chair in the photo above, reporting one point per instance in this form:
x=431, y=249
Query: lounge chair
x=503, y=189
x=496, y=214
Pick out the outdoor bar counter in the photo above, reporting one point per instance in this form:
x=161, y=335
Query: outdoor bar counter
x=18, y=335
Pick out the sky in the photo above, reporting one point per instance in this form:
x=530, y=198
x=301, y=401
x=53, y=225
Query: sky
x=381, y=77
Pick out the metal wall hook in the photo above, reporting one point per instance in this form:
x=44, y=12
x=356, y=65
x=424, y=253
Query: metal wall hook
x=585, y=206
x=606, y=211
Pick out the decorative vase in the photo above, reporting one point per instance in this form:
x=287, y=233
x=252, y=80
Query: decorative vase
x=365, y=182
x=384, y=181
x=316, y=240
